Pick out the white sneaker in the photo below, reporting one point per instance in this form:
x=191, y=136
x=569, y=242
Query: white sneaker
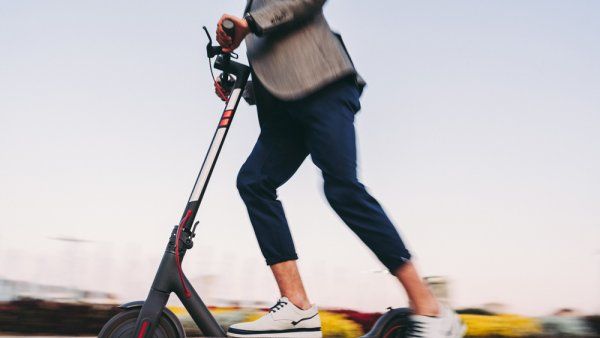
x=283, y=320
x=447, y=325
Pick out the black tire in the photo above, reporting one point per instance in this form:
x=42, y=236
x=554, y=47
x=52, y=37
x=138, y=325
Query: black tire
x=122, y=325
x=395, y=328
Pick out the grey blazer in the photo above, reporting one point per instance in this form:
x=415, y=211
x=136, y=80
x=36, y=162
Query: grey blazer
x=293, y=52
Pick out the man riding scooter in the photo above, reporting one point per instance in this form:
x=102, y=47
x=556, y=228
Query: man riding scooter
x=307, y=93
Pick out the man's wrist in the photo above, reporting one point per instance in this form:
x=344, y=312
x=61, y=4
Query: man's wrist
x=245, y=27
x=252, y=24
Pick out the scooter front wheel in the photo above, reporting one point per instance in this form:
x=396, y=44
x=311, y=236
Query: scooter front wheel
x=122, y=325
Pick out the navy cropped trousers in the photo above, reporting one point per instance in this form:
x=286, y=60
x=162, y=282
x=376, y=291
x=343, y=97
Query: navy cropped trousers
x=321, y=125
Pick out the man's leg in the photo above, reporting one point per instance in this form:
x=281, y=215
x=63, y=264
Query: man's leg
x=329, y=122
x=269, y=166
x=278, y=153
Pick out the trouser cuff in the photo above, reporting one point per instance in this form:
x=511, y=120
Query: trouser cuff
x=272, y=261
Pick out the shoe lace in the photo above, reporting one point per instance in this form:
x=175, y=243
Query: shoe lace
x=280, y=304
x=415, y=330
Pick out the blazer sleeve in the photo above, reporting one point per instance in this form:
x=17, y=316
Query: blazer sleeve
x=282, y=14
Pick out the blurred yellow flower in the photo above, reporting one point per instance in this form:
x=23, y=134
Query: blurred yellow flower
x=337, y=325
x=501, y=325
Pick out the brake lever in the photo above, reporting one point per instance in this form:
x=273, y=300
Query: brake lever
x=211, y=51
x=207, y=35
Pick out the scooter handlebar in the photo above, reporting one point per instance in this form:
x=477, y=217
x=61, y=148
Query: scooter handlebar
x=228, y=27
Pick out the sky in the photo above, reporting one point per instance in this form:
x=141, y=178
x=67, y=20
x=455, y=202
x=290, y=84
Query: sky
x=479, y=135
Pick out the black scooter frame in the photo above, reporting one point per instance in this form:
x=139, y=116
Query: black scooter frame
x=169, y=277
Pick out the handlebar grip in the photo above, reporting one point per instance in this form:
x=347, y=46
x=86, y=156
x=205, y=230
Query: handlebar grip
x=229, y=27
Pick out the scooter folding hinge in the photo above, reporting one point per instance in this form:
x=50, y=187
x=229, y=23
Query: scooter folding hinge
x=172, y=239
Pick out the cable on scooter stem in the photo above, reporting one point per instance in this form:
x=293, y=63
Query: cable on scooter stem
x=187, y=292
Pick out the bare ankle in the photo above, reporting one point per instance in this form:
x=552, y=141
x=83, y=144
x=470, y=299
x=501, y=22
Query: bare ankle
x=300, y=302
x=430, y=308
x=290, y=284
x=422, y=300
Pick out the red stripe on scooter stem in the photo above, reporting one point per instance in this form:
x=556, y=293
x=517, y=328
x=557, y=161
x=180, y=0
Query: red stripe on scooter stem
x=227, y=113
x=226, y=118
x=224, y=122
x=143, y=329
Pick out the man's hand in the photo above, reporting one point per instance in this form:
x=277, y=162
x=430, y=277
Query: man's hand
x=241, y=30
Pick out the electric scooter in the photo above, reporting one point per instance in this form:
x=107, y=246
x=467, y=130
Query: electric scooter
x=150, y=318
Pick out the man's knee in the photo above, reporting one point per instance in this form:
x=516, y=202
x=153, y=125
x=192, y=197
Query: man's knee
x=250, y=184
x=244, y=181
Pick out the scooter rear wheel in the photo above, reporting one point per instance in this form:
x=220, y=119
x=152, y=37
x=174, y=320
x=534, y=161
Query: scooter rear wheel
x=122, y=325
x=396, y=328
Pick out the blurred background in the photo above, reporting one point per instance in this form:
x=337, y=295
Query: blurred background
x=478, y=134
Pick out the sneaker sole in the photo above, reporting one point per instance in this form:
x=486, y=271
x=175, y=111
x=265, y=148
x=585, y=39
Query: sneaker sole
x=299, y=334
x=283, y=334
